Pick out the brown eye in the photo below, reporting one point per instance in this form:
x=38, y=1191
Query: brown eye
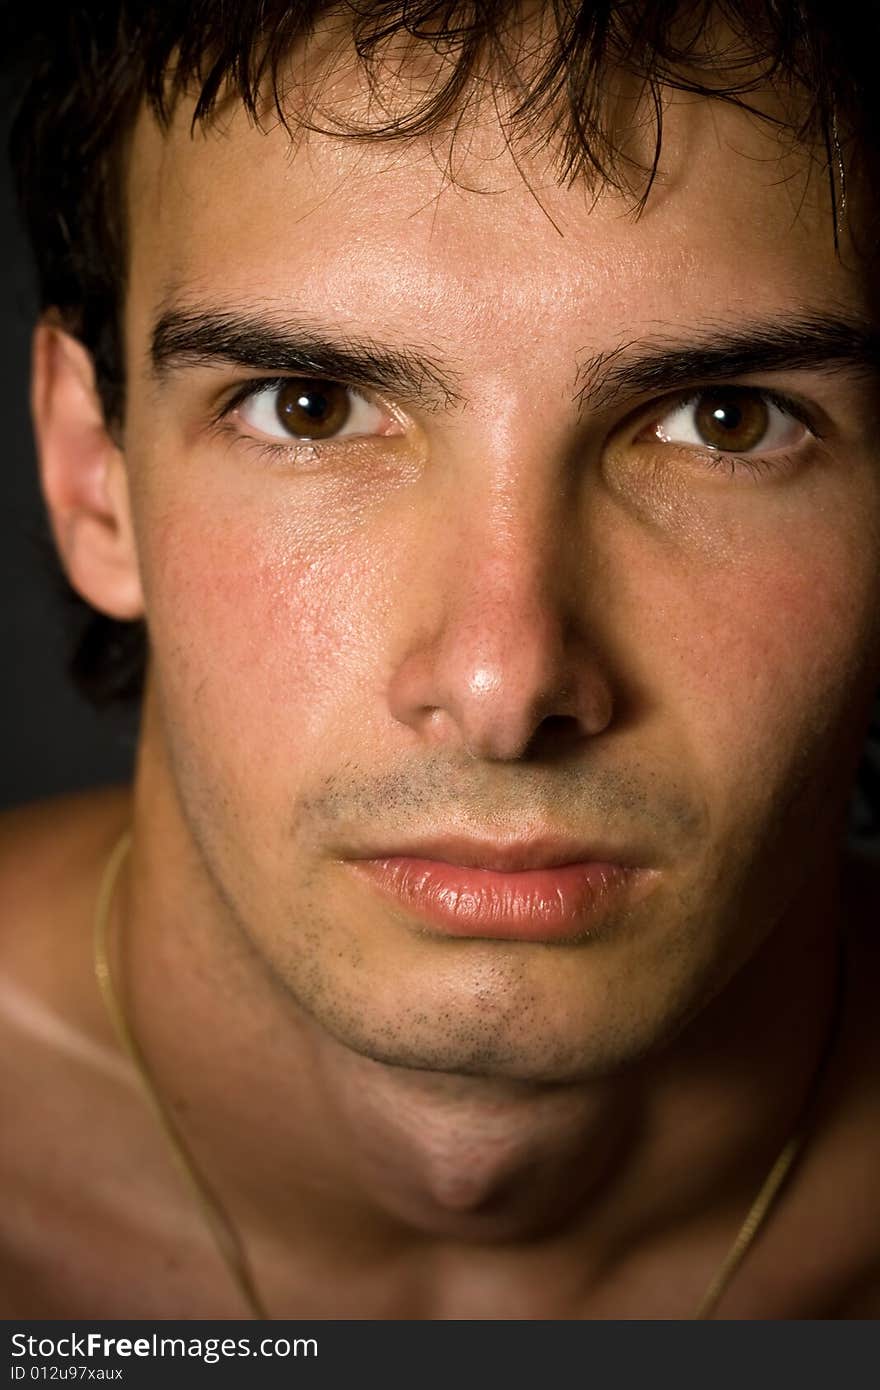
x=730, y=421
x=733, y=422
x=300, y=408
x=313, y=409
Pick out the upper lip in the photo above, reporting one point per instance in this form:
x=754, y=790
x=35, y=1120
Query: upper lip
x=509, y=855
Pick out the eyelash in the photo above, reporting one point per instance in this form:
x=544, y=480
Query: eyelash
x=716, y=459
x=251, y=388
x=732, y=463
x=254, y=387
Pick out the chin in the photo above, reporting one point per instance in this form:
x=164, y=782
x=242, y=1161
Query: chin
x=477, y=1047
x=508, y=1011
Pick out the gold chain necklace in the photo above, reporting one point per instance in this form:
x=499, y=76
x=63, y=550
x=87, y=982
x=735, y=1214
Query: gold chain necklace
x=225, y=1235
x=227, y=1239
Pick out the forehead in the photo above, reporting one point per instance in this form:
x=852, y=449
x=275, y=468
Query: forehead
x=476, y=242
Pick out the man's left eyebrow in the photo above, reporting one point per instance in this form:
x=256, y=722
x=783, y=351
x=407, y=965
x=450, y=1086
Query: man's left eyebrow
x=649, y=366
x=185, y=337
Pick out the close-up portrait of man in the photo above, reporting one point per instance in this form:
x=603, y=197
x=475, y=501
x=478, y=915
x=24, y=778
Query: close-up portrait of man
x=458, y=432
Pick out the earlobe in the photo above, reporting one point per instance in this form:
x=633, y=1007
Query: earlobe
x=83, y=476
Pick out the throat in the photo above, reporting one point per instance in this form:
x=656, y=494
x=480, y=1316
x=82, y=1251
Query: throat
x=468, y=1159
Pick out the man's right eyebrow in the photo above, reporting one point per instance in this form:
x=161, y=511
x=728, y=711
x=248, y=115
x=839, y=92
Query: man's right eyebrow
x=191, y=337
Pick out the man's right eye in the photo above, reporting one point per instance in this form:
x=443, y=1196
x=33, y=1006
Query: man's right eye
x=294, y=409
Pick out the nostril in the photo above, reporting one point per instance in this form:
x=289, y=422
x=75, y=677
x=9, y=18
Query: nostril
x=556, y=734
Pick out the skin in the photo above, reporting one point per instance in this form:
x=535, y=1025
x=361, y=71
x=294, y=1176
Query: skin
x=496, y=616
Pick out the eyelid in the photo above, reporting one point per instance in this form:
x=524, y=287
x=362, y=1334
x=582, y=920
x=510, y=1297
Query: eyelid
x=799, y=410
x=254, y=387
x=640, y=432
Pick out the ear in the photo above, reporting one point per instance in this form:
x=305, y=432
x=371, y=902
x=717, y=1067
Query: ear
x=83, y=476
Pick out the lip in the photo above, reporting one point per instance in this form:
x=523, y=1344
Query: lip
x=535, y=890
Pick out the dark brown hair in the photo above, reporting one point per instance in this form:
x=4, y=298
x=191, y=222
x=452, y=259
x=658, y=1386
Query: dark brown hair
x=95, y=64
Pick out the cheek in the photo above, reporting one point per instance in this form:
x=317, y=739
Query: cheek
x=256, y=629
x=766, y=647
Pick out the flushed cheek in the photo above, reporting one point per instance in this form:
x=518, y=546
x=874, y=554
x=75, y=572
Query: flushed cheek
x=764, y=595
x=769, y=665
x=258, y=634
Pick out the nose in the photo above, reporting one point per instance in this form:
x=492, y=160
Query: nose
x=497, y=657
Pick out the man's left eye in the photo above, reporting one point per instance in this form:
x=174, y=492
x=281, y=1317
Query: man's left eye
x=732, y=421
x=299, y=408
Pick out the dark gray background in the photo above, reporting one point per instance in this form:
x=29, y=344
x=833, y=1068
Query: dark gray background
x=52, y=739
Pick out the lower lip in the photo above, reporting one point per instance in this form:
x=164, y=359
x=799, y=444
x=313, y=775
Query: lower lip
x=551, y=904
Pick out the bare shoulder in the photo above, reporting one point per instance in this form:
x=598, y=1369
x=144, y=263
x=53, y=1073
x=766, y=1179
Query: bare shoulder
x=48, y=854
x=44, y=840
x=51, y=854
x=88, y=1229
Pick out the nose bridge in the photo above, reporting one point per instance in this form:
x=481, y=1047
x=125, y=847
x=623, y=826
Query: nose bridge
x=509, y=577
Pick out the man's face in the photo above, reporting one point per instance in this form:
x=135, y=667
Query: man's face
x=515, y=603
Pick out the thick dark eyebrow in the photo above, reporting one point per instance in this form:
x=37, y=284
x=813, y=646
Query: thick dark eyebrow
x=824, y=342
x=188, y=337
